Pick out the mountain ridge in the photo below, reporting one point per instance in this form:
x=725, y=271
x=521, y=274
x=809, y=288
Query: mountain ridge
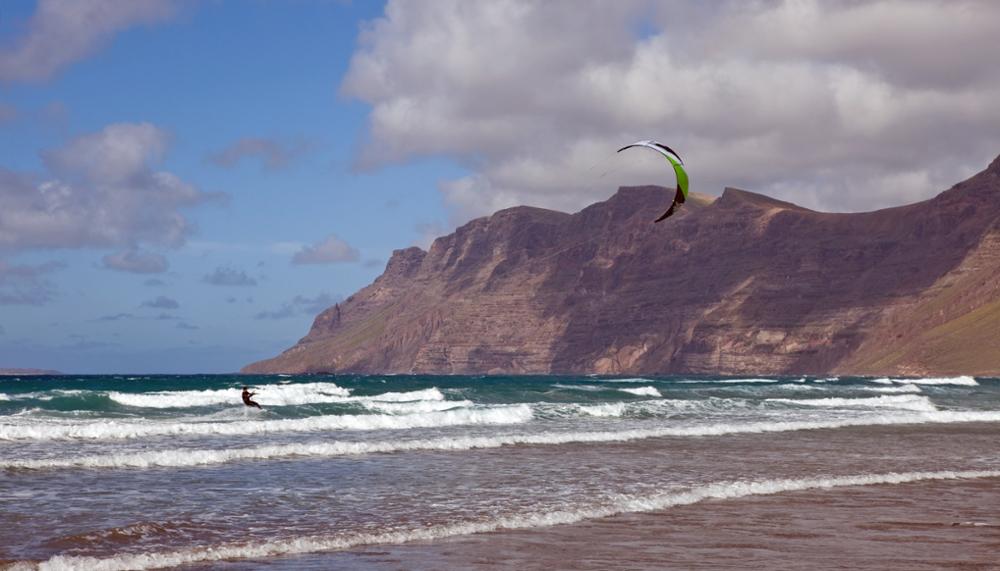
x=744, y=283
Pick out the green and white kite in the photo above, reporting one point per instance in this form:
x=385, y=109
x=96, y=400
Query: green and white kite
x=678, y=164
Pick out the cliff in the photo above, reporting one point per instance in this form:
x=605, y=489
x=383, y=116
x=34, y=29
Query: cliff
x=741, y=284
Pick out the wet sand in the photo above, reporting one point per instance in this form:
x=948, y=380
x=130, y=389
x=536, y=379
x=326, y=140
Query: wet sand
x=922, y=525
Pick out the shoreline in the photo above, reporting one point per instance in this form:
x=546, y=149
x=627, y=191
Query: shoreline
x=932, y=524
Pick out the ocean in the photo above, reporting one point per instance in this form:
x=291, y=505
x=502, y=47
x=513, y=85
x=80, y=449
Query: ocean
x=464, y=472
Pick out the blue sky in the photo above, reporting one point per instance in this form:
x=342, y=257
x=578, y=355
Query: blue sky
x=184, y=185
x=211, y=75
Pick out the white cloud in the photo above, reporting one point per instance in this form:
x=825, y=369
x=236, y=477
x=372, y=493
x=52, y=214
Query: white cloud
x=102, y=190
x=820, y=103
x=62, y=32
x=330, y=251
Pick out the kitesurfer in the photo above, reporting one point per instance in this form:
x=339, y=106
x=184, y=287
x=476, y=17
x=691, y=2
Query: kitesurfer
x=246, y=398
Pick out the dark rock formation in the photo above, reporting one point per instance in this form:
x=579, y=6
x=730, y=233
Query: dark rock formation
x=742, y=284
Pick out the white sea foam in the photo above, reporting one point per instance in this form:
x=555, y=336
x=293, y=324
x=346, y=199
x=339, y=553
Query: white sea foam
x=432, y=393
x=602, y=508
x=961, y=381
x=604, y=410
x=113, y=429
x=630, y=380
x=411, y=407
x=267, y=395
x=904, y=402
x=588, y=388
x=652, y=407
x=42, y=395
x=203, y=457
x=643, y=392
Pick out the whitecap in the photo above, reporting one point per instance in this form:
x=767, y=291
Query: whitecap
x=113, y=429
x=267, y=395
x=612, y=409
x=961, y=381
x=643, y=392
x=411, y=407
x=904, y=402
x=192, y=457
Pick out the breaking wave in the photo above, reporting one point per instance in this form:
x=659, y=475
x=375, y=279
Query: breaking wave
x=904, y=402
x=112, y=429
x=960, y=381
x=420, y=406
x=643, y=392
x=267, y=395
x=191, y=457
x=596, y=509
x=604, y=410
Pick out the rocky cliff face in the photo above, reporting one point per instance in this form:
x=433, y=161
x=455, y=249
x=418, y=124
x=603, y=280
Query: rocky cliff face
x=741, y=284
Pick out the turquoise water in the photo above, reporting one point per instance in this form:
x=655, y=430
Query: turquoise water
x=154, y=471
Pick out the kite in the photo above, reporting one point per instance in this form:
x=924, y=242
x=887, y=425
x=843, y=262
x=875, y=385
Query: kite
x=678, y=164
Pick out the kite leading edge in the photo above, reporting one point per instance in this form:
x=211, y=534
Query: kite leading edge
x=675, y=160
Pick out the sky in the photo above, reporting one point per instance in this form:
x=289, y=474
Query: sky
x=185, y=184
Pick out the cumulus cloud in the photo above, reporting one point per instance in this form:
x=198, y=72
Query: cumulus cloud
x=62, y=32
x=137, y=262
x=161, y=302
x=299, y=305
x=330, y=251
x=271, y=153
x=834, y=105
x=26, y=284
x=103, y=190
x=225, y=276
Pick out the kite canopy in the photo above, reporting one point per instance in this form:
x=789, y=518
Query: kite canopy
x=675, y=160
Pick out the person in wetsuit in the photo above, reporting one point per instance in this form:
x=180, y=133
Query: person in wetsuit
x=246, y=398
